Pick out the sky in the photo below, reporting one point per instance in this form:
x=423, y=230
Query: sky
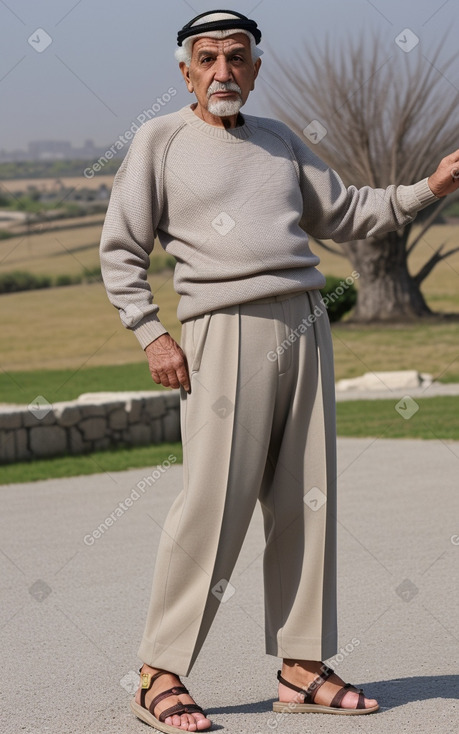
x=78, y=69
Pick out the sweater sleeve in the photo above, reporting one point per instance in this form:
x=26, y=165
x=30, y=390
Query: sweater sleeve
x=332, y=211
x=128, y=236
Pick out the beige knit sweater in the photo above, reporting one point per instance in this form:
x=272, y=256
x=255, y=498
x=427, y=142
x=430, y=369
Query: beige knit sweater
x=227, y=204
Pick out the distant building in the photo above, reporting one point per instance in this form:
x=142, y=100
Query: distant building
x=51, y=150
x=42, y=150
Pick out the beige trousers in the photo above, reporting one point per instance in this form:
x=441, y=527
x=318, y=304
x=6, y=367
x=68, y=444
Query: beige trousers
x=259, y=424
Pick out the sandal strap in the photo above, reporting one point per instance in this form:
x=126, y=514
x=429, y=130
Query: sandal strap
x=180, y=708
x=310, y=692
x=336, y=702
x=317, y=683
x=147, y=681
x=175, y=691
x=149, y=677
x=289, y=685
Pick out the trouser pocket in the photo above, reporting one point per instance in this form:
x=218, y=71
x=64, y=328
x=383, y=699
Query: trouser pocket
x=194, y=335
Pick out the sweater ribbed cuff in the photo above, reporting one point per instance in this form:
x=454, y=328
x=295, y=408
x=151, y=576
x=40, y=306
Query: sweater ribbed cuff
x=424, y=193
x=149, y=329
x=416, y=197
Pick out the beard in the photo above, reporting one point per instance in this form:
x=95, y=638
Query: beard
x=224, y=107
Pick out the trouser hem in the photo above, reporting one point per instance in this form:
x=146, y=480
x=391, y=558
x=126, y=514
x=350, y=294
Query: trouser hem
x=294, y=648
x=164, y=657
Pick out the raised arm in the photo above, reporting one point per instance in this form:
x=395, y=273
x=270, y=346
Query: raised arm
x=334, y=211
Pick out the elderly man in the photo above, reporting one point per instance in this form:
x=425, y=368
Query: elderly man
x=226, y=194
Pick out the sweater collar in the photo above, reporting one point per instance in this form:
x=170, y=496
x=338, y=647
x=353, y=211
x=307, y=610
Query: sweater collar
x=234, y=135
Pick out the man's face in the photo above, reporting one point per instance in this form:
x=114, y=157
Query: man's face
x=219, y=63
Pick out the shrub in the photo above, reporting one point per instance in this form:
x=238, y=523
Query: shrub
x=23, y=281
x=62, y=280
x=339, y=297
x=19, y=280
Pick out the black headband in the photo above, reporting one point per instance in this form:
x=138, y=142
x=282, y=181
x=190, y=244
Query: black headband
x=239, y=21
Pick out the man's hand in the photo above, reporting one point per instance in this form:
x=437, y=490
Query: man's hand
x=167, y=363
x=445, y=180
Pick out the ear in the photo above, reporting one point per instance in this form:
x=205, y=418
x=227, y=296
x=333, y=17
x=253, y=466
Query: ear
x=186, y=75
x=256, y=70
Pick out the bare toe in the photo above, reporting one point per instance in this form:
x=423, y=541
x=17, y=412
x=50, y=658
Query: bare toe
x=203, y=723
x=351, y=699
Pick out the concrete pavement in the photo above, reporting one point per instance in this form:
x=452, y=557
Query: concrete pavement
x=75, y=588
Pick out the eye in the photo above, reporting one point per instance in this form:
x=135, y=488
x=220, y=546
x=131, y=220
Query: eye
x=206, y=60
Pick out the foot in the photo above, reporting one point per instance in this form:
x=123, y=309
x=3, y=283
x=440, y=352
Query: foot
x=185, y=722
x=303, y=672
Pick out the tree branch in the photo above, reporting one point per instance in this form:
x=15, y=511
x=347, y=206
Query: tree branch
x=432, y=262
x=429, y=265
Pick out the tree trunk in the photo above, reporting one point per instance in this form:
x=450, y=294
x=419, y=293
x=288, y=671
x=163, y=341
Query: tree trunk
x=386, y=290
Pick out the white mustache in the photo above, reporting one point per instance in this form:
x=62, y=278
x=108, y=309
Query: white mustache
x=223, y=87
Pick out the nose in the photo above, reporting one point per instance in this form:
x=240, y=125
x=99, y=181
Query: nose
x=222, y=70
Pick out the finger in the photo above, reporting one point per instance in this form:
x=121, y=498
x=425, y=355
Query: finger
x=167, y=380
x=161, y=378
x=155, y=377
x=183, y=377
x=179, y=379
x=173, y=380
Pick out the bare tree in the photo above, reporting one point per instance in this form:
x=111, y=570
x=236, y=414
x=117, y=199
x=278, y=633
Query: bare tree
x=388, y=120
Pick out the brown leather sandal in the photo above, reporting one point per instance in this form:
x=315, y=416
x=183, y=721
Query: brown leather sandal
x=148, y=714
x=308, y=706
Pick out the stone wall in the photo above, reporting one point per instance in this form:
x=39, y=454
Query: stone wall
x=93, y=422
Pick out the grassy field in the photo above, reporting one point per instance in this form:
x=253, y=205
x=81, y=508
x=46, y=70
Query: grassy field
x=73, y=327
x=437, y=418
x=15, y=185
x=21, y=231
x=59, y=385
x=431, y=347
x=66, y=252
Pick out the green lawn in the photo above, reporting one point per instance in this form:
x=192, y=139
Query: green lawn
x=96, y=463
x=67, y=384
x=436, y=418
